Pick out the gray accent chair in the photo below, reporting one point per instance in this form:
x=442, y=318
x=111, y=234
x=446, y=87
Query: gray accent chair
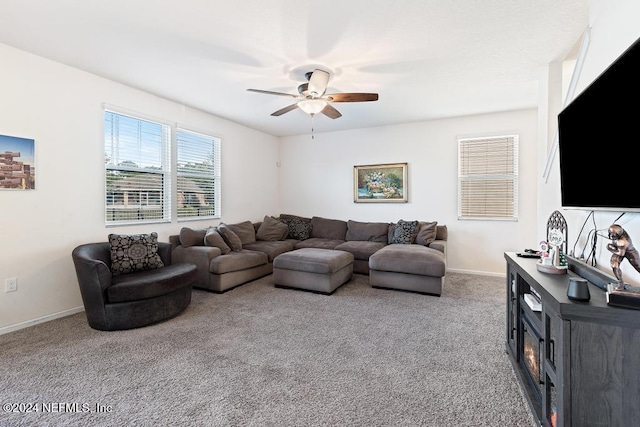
x=130, y=300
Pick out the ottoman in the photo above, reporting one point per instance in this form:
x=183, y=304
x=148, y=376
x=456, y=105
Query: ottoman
x=311, y=269
x=414, y=268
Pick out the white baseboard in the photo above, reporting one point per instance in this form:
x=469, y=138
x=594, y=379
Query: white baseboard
x=26, y=324
x=479, y=273
x=47, y=318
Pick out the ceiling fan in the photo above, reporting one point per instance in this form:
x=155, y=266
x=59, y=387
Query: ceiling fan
x=312, y=99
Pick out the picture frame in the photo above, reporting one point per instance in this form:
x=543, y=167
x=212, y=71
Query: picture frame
x=17, y=163
x=381, y=183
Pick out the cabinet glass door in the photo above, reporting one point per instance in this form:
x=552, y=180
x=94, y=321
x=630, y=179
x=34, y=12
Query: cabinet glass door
x=551, y=406
x=552, y=326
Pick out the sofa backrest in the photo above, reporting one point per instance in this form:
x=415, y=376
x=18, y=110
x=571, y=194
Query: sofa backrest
x=441, y=233
x=367, y=231
x=325, y=228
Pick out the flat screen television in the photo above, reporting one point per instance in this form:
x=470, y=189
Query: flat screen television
x=598, y=135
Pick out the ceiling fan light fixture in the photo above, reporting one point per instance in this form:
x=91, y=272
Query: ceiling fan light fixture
x=312, y=106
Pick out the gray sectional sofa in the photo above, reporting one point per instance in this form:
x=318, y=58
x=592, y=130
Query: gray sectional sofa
x=407, y=255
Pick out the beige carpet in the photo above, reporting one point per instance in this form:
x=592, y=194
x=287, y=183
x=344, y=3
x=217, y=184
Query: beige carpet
x=261, y=356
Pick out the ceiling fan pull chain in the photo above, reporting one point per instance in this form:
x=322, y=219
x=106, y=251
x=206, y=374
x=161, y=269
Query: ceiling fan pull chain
x=312, y=136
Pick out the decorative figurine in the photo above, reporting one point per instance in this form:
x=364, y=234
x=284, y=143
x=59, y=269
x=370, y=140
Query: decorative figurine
x=621, y=247
x=552, y=258
x=546, y=257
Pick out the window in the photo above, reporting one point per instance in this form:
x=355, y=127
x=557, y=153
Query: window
x=488, y=178
x=140, y=171
x=198, y=166
x=137, y=169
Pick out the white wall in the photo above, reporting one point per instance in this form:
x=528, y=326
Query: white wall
x=614, y=27
x=317, y=179
x=61, y=108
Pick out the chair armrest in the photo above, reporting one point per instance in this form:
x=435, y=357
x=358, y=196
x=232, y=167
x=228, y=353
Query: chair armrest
x=164, y=250
x=92, y=262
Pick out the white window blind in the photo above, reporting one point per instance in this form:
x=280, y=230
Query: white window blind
x=198, y=175
x=137, y=169
x=488, y=178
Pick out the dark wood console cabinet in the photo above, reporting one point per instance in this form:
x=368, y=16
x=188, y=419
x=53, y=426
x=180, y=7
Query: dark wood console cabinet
x=578, y=363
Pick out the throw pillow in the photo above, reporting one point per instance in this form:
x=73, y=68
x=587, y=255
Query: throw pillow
x=245, y=231
x=189, y=237
x=135, y=252
x=272, y=229
x=214, y=239
x=230, y=237
x=405, y=232
x=298, y=228
x=426, y=232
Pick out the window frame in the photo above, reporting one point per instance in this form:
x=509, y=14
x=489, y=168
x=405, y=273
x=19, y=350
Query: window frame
x=508, y=194
x=214, y=175
x=164, y=172
x=168, y=170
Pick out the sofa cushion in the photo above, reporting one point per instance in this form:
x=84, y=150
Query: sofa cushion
x=367, y=231
x=151, y=283
x=404, y=232
x=190, y=237
x=325, y=228
x=237, y=260
x=360, y=249
x=271, y=248
x=316, y=242
x=426, y=232
x=230, y=237
x=214, y=239
x=134, y=252
x=409, y=259
x=299, y=229
x=272, y=229
x=245, y=231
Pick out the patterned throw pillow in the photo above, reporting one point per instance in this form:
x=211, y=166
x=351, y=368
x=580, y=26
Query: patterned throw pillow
x=298, y=228
x=405, y=232
x=135, y=252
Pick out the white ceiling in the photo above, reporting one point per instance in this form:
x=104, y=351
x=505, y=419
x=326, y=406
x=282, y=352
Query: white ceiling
x=427, y=59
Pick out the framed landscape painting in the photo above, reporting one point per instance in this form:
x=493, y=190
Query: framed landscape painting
x=385, y=183
x=17, y=163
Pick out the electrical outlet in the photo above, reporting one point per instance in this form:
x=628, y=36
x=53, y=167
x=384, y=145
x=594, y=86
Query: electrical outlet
x=11, y=284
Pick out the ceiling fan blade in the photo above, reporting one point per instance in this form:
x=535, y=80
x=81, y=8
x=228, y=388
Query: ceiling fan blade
x=285, y=110
x=318, y=82
x=352, y=97
x=268, y=92
x=331, y=112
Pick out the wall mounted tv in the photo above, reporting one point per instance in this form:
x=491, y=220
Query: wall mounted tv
x=598, y=133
